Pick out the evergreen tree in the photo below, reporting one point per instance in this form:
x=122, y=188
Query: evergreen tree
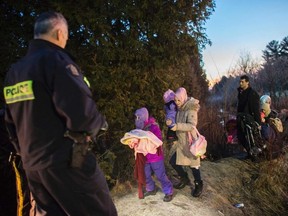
x=272, y=51
x=131, y=51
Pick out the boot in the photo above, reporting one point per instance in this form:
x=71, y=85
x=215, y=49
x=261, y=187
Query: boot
x=182, y=183
x=198, y=188
x=168, y=197
x=151, y=193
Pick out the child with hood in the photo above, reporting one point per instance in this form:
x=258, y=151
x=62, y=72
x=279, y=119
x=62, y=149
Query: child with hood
x=154, y=162
x=170, y=114
x=186, y=120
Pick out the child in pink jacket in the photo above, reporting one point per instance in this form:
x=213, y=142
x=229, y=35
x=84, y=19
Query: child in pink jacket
x=154, y=162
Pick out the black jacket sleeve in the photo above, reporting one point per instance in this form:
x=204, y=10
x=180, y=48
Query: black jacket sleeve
x=73, y=99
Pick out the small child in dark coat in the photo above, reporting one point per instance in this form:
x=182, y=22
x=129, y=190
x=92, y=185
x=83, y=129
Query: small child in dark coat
x=170, y=114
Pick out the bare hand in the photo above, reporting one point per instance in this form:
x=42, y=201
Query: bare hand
x=168, y=122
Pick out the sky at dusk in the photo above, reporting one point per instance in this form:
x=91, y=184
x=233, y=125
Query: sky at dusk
x=238, y=27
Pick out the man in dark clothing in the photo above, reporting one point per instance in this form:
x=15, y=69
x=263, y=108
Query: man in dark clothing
x=51, y=117
x=248, y=106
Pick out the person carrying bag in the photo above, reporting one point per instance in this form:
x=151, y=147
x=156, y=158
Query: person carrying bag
x=186, y=120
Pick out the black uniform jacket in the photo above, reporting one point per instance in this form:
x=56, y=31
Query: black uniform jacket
x=45, y=95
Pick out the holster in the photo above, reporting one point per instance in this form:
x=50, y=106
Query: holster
x=80, y=148
x=79, y=152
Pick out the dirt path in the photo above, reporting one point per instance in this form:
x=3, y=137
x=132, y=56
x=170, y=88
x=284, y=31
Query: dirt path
x=222, y=181
x=181, y=205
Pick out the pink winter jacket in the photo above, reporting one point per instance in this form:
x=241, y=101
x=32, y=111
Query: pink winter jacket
x=151, y=125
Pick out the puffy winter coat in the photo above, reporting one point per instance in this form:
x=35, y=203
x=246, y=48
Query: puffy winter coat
x=186, y=118
x=152, y=126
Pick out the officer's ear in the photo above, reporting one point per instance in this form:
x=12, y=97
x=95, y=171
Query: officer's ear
x=61, y=37
x=57, y=34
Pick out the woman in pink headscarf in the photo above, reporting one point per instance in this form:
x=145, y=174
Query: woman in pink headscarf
x=186, y=120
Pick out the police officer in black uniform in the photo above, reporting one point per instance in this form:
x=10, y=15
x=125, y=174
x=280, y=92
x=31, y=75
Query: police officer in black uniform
x=52, y=116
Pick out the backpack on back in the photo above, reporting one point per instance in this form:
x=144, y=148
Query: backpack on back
x=276, y=123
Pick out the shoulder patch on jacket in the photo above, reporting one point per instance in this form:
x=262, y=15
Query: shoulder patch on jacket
x=21, y=91
x=72, y=69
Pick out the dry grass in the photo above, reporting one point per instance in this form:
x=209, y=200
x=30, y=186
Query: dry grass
x=262, y=187
x=269, y=191
x=123, y=188
x=209, y=125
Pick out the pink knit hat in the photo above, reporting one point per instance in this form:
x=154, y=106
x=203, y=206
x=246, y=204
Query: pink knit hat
x=168, y=96
x=181, y=95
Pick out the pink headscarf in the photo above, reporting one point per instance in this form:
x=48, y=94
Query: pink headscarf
x=181, y=94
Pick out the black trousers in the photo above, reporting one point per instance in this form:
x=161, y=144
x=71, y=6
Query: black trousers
x=242, y=138
x=14, y=191
x=181, y=172
x=71, y=191
x=24, y=207
x=8, y=199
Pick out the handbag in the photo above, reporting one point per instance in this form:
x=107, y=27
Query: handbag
x=197, y=146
